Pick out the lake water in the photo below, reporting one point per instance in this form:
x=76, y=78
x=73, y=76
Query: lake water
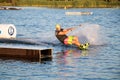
x=100, y=62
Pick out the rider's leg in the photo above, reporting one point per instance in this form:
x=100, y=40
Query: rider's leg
x=76, y=41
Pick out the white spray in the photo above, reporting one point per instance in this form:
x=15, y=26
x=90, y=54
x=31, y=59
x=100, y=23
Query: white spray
x=88, y=33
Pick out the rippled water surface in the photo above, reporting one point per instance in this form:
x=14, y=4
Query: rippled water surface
x=99, y=62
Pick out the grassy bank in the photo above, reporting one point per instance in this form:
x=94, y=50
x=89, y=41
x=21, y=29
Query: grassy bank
x=62, y=3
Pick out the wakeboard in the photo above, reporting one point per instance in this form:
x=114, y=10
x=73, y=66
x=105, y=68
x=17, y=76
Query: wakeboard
x=84, y=46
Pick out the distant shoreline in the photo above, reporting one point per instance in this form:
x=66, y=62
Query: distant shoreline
x=20, y=7
x=64, y=4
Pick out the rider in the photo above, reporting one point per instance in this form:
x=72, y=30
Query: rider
x=67, y=40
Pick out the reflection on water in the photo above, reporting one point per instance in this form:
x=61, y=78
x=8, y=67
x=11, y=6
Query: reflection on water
x=73, y=53
x=71, y=56
x=68, y=56
x=92, y=50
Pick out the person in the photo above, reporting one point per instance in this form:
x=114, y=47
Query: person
x=61, y=35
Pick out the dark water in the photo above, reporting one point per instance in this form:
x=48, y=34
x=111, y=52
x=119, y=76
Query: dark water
x=100, y=62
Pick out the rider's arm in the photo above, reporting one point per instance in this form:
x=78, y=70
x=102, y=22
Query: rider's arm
x=65, y=31
x=70, y=29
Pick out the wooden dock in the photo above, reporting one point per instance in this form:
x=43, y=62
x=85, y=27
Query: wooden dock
x=26, y=54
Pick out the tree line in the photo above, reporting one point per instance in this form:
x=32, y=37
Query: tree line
x=62, y=3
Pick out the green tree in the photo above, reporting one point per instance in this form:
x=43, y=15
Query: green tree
x=86, y=4
x=1, y=1
x=14, y=2
x=75, y=3
x=107, y=0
